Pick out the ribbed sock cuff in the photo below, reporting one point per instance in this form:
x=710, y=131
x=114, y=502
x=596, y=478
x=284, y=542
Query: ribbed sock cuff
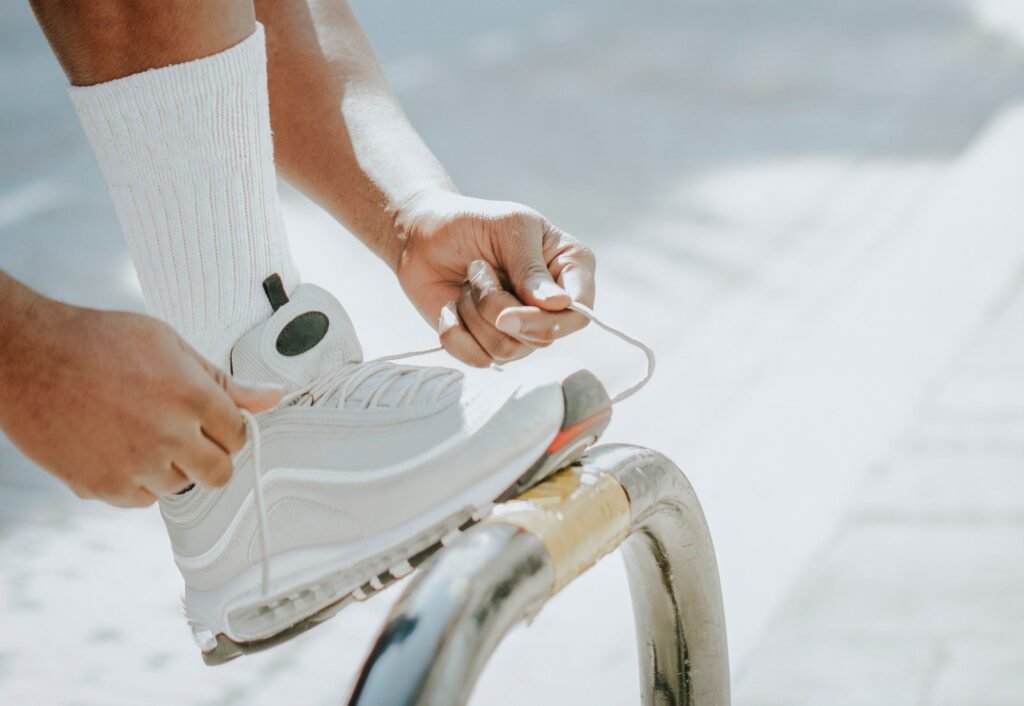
x=187, y=154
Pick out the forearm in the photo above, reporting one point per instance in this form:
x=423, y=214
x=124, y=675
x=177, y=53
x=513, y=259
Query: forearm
x=339, y=134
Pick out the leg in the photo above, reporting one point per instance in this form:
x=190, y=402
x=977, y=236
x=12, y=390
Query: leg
x=99, y=42
x=173, y=99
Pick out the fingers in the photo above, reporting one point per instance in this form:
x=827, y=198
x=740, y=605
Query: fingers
x=204, y=462
x=140, y=497
x=253, y=396
x=171, y=481
x=479, y=305
x=522, y=258
x=217, y=398
x=572, y=264
x=458, y=341
x=220, y=419
x=538, y=327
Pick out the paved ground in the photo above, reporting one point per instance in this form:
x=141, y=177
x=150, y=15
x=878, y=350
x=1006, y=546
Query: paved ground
x=815, y=207
x=917, y=597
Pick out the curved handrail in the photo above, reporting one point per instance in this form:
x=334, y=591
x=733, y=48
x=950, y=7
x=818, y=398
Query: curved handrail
x=454, y=613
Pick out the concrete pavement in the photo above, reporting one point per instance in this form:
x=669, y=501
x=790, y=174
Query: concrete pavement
x=917, y=598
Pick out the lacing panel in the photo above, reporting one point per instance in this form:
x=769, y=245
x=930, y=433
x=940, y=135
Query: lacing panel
x=342, y=381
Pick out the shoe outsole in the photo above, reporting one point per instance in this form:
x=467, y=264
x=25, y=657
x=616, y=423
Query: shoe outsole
x=587, y=414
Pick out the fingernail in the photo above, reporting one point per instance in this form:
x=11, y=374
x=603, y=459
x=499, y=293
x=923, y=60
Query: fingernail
x=476, y=268
x=546, y=289
x=512, y=325
x=449, y=319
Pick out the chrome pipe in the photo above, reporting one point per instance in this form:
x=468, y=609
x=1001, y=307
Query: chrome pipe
x=459, y=607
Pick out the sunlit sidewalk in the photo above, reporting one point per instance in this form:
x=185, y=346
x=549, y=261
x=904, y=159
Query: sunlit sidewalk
x=919, y=597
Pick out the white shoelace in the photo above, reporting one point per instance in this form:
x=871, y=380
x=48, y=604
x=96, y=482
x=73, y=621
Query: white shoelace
x=344, y=380
x=647, y=351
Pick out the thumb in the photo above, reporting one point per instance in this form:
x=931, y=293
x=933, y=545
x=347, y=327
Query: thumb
x=529, y=276
x=254, y=396
x=247, y=394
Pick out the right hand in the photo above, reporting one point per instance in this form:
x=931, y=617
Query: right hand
x=117, y=405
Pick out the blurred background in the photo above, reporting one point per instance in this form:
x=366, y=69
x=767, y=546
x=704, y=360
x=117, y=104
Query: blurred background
x=813, y=211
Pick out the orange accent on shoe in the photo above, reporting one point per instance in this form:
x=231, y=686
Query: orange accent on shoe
x=572, y=433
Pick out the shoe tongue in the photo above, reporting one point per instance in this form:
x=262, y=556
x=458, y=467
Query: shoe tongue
x=306, y=333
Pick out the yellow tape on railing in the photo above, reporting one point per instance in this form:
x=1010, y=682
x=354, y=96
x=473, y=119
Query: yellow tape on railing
x=579, y=516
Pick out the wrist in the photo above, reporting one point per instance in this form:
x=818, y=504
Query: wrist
x=417, y=214
x=21, y=312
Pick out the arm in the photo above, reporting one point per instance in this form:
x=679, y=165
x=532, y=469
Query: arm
x=342, y=138
x=339, y=133
x=115, y=404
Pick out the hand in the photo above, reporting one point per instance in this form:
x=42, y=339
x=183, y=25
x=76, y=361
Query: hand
x=116, y=404
x=495, y=277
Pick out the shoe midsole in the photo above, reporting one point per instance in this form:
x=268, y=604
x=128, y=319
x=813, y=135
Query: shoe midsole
x=294, y=569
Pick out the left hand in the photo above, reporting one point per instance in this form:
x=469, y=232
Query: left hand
x=495, y=277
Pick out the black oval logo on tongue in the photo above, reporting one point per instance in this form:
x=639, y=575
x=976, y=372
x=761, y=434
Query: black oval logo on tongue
x=302, y=333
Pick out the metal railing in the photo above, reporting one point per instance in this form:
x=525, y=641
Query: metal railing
x=464, y=601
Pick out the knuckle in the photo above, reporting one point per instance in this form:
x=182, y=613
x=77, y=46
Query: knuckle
x=166, y=437
x=112, y=489
x=522, y=212
x=446, y=337
x=220, y=378
x=477, y=360
x=169, y=481
x=219, y=471
x=465, y=303
x=470, y=356
x=489, y=302
x=193, y=393
x=587, y=256
x=541, y=336
x=506, y=348
x=237, y=437
x=142, y=498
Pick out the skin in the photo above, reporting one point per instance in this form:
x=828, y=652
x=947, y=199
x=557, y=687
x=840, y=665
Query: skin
x=342, y=138
x=101, y=41
x=116, y=404
x=495, y=276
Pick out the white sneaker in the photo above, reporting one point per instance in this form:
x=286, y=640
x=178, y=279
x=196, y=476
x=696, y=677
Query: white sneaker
x=356, y=476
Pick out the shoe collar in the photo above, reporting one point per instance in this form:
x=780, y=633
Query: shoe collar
x=307, y=331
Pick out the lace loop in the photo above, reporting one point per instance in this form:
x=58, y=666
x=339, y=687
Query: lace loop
x=647, y=350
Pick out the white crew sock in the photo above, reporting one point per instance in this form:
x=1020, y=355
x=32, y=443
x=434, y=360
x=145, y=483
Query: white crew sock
x=187, y=154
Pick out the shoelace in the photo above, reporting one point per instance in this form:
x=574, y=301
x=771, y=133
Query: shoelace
x=346, y=378
x=647, y=351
